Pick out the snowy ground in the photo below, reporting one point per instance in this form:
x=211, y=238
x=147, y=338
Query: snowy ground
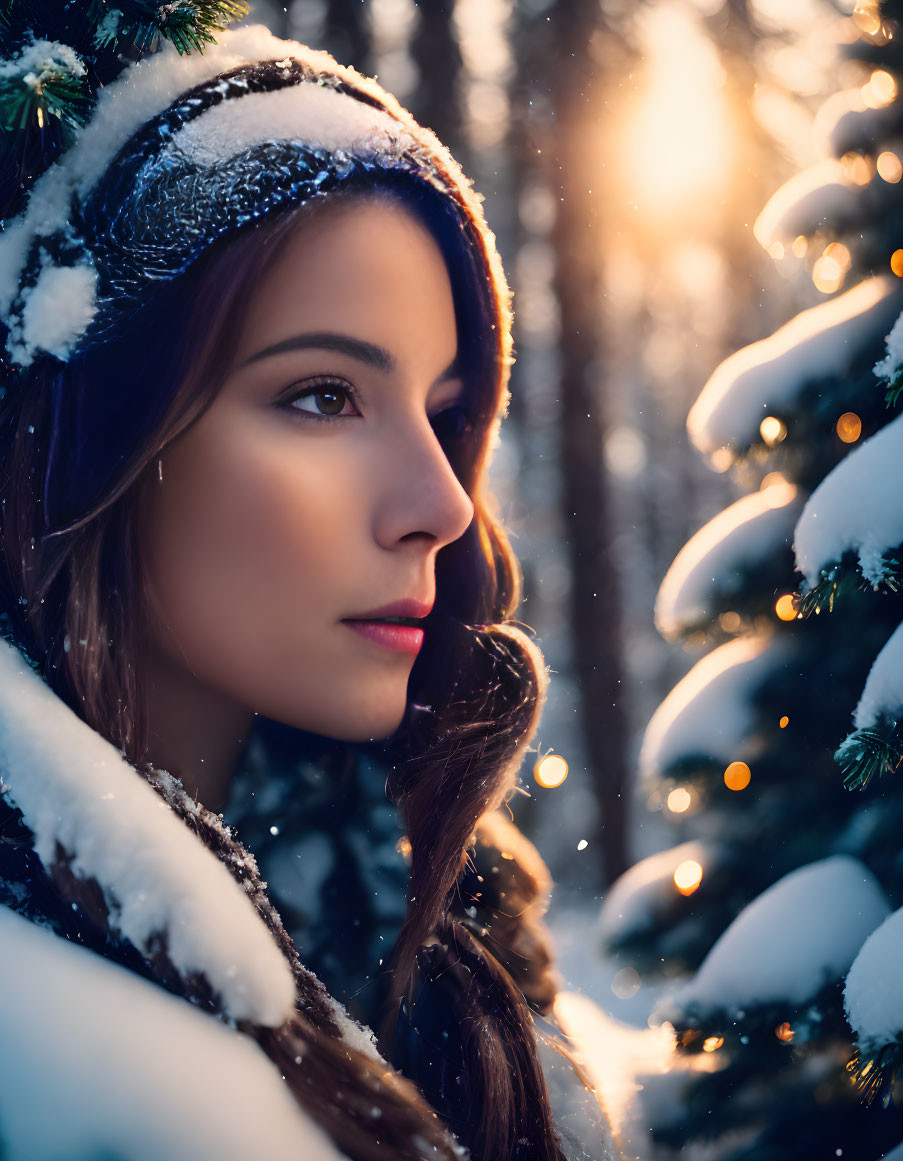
x=605, y=1007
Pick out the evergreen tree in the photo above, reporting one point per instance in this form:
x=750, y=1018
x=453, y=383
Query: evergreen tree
x=55, y=56
x=782, y=875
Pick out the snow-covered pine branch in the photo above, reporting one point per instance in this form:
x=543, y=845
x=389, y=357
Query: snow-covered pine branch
x=817, y=198
x=799, y=936
x=849, y=126
x=769, y=378
x=708, y=718
x=712, y=569
x=834, y=545
x=875, y=746
x=873, y=1000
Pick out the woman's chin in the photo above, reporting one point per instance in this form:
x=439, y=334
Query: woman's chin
x=351, y=723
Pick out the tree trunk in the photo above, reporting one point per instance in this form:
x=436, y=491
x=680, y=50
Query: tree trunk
x=435, y=51
x=587, y=519
x=347, y=33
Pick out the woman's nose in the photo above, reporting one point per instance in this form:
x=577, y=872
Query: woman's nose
x=420, y=494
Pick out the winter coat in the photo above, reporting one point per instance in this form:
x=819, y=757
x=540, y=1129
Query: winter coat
x=102, y=882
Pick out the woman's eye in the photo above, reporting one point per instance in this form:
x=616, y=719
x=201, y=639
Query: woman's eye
x=325, y=402
x=452, y=423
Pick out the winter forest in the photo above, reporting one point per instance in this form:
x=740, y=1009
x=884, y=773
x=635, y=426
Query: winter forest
x=699, y=205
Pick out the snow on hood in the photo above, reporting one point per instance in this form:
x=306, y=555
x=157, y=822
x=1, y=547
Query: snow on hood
x=77, y=790
x=146, y=88
x=323, y=118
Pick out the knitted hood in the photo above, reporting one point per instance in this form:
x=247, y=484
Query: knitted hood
x=182, y=149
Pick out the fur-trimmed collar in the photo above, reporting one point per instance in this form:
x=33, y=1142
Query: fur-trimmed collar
x=94, y=816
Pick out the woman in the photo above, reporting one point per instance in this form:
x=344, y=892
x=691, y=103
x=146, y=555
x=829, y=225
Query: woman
x=257, y=349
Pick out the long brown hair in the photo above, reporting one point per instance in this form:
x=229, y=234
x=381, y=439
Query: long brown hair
x=79, y=452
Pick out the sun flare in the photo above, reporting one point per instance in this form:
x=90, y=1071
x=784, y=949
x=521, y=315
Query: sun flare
x=676, y=139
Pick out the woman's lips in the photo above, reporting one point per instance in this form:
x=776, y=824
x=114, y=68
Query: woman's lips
x=396, y=638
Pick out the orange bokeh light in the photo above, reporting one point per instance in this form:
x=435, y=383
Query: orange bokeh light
x=688, y=876
x=550, y=771
x=849, y=427
x=737, y=776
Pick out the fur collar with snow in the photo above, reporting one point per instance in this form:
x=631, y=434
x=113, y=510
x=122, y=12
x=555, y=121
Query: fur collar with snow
x=134, y=869
x=80, y=824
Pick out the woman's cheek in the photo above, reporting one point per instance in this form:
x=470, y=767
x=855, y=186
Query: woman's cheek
x=261, y=542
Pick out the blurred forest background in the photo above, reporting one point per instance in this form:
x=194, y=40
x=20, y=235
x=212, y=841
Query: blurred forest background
x=624, y=150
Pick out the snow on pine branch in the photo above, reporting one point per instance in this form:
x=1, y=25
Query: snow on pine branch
x=873, y=997
x=711, y=564
x=847, y=125
x=770, y=376
x=890, y=368
x=876, y=745
x=709, y=713
x=817, y=198
x=800, y=934
x=855, y=513
x=883, y=692
x=640, y=899
x=873, y=1001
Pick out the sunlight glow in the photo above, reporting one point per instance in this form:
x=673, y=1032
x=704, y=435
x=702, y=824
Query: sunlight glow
x=677, y=143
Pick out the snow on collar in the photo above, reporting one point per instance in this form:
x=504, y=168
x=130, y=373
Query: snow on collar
x=76, y=789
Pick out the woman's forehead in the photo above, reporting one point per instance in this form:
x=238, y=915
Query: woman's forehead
x=366, y=268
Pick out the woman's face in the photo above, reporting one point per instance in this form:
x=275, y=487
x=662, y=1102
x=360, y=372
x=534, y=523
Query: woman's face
x=309, y=502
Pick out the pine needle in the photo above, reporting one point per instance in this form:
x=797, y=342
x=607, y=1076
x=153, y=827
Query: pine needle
x=868, y=753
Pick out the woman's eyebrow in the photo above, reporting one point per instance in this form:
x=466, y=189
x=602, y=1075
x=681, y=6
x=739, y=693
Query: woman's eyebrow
x=360, y=349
